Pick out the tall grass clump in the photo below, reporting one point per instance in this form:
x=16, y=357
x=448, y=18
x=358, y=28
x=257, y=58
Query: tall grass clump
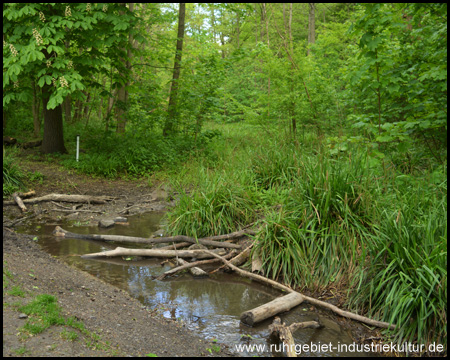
x=13, y=178
x=324, y=219
x=217, y=207
x=406, y=280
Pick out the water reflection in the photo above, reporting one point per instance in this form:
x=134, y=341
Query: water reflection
x=210, y=306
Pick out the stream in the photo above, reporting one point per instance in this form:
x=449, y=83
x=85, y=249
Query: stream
x=209, y=306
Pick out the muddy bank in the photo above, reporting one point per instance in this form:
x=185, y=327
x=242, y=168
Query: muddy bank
x=125, y=327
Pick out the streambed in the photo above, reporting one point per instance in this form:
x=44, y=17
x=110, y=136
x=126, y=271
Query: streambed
x=209, y=306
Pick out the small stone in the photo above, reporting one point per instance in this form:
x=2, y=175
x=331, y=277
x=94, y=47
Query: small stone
x=105, y=223
x=23, y=316
x=120, y=219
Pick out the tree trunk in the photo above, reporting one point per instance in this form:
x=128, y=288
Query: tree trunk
x=122, y=93
x=291, y=48
x=53, y=140
x=169, y=126
x=67, y=104
x=35, y=107
x=311, y=25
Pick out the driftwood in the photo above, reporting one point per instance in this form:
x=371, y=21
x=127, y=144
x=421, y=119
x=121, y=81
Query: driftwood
x=238, y=260
x=27, y=194
x=263, y=312
x=194, y=270
x=19, y=202
x=131, y=239
x=311, y=300
x=189, y=265
x=284, y=333
x=119, y=251
x=66, y=198
x=175, y=246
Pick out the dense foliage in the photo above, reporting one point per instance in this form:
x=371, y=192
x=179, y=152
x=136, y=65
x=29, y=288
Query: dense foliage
x=332, y=137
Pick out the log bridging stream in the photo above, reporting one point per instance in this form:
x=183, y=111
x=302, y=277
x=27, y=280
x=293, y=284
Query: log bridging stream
x=209, y=241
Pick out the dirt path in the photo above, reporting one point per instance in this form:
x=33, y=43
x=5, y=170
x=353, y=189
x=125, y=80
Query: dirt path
x=115, y=323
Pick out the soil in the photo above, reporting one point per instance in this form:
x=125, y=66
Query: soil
x=124, y=326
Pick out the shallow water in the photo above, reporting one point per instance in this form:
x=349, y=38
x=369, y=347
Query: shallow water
x=210, y=306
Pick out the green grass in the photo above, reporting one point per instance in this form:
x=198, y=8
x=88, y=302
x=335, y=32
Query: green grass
x=13, y=177
x=341, y=219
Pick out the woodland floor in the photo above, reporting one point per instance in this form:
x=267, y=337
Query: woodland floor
x=122, y=322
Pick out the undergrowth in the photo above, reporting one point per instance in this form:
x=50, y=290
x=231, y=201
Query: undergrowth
x=343, y=219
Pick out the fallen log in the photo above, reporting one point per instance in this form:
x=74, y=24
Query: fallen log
x=284, y=333
x=31, y=144
x=311, y=300
x=19, y=202
x=174, y=246
x=189, y=265
x=131, y=239
x=27, y=194
x=238, y=260
x=263, y=312
x=119, y=251
x=66, y=198
x=196, y=271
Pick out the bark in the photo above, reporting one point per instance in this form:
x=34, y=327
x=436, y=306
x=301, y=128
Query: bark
x=131, y=239
x=169, y=126
x=122, y=93
x=119, y=251
x=66, y=198
x=313, y=301
x=67, y=104
x=284, y=333
x=189, y=265
x=263, y=312
x=193, y=270
x=238, y=260
x=19, y=202
x=53, y=140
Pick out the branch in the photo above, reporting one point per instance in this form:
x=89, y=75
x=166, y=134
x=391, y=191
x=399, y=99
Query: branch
x=313, y=301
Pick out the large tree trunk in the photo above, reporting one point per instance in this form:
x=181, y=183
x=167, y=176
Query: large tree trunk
x=53, y=140
x=172, y=111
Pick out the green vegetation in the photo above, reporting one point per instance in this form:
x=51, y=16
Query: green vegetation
x=328, y=132
x=13, y=177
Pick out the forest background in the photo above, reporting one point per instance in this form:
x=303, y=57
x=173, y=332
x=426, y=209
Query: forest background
x=324, y=123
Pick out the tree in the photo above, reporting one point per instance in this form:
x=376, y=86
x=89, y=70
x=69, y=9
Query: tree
x=311, y=24
x=170, y=122
x=35, y=47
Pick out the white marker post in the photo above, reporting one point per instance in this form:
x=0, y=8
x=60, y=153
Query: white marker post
x=78, y=146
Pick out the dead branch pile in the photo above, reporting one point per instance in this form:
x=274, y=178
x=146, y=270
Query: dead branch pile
x=285, y=303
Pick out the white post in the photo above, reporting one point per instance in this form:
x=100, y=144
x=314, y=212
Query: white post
x=78, y=146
